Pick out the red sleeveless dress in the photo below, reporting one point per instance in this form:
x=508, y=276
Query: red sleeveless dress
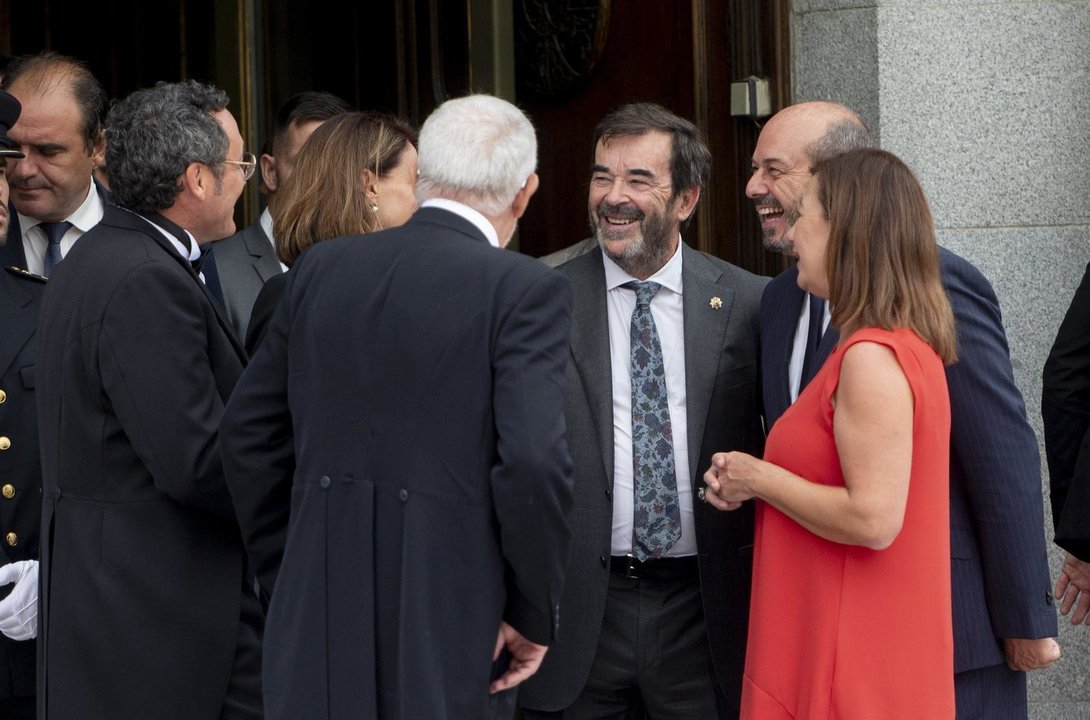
x=842, y=632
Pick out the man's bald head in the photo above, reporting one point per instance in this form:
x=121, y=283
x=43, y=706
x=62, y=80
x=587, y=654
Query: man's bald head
x=791, y=143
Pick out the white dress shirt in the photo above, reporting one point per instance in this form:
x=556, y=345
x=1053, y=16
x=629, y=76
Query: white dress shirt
x=798, y=349
x=666, y=310
x=35, y=242
x=465, y=211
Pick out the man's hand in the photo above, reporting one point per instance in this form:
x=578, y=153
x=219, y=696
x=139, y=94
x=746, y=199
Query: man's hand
x=1073, y=589
x=727, y=479
x=1030, y=654
x=19, y=610
x=526, y=658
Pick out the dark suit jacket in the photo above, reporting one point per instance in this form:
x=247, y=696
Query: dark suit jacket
x=723, y=401
x=264, y=307
x=12, y=253
x=407, y=401
x=1065, y=409
x=20, y=467
x=244, y=262
x=999, y=565
x=142, y=563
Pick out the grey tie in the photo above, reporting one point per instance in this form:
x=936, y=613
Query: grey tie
x=656, y=519
x=54, y=231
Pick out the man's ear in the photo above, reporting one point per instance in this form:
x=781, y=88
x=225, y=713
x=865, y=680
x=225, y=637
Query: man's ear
x=268, y=172
x=522, y=197
x=198, y=180
x=98, y=150
x=686, y=202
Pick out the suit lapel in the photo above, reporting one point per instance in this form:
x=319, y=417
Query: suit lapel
x=260, y=248
x=780, y=310
x=590, y=347
x=131, y=220
x=707, y=307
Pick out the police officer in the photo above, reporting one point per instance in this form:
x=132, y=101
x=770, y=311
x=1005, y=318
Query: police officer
x=20, y=476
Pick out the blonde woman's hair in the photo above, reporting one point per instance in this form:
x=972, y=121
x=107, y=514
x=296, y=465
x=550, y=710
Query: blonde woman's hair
x=323, y=197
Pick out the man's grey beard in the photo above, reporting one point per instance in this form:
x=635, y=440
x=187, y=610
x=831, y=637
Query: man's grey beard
x=642, y=256
x=773, y=244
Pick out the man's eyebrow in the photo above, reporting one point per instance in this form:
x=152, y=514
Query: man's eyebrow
x=641, y=172
x=49, y=147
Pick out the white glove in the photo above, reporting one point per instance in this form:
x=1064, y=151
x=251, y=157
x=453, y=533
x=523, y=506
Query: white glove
x=19, y=610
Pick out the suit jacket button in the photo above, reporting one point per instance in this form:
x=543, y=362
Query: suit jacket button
x=604, y=560
x=403, y=495
x=8, y=491
x=324, y=482
x=3, y=397
x=5, y=442
x=12, y=539
x=1049, y=597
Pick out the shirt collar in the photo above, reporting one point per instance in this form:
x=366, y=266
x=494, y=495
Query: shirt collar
x=669, y=275
x=85, y=217
x=465, y=211
x=191, y=253
x=266, y=221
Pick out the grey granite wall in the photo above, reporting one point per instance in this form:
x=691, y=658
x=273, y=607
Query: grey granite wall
x=990, y=103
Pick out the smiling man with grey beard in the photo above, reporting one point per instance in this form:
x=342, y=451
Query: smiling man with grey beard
x=663, y=372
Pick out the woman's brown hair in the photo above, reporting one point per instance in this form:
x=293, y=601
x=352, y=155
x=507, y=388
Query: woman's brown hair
x=323, y=197
x=882, y=258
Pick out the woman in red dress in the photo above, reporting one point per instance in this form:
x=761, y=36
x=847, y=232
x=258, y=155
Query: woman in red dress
x=850, y=615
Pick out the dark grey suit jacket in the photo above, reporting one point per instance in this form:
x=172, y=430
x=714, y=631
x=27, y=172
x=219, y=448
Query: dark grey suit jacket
x=723, y=399
x=1000, y=580
x=244, y=261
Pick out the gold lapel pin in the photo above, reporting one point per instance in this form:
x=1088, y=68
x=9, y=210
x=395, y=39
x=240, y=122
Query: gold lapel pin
x=716, y=303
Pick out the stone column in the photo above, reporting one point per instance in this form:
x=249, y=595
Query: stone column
x=989, y=102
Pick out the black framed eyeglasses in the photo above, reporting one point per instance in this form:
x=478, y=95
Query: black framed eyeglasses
x=247, y=164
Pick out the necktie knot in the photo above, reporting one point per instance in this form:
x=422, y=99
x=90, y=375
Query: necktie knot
x=645, y=290
x=54, y=231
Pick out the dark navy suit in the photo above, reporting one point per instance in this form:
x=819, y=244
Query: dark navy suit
x=999, y=563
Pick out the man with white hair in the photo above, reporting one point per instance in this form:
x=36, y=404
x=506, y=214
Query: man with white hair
x=408, y=403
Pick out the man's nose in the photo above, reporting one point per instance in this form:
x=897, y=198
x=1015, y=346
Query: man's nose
x=756, y=187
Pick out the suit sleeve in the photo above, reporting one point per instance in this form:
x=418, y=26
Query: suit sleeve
x=156, y=374
x=994, y=451
x=532, y=478
x=259, y=451
x=1065, y=409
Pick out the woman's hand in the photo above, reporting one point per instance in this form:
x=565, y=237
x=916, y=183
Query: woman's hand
x=730, y=479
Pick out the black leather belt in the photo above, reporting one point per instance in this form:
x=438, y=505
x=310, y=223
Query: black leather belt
x=662, y=569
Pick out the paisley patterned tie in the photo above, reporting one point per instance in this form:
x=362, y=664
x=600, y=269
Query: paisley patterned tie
x=656, y=523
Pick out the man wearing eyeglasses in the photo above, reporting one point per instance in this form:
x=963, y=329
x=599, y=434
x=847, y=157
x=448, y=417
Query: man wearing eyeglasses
x=144, y=608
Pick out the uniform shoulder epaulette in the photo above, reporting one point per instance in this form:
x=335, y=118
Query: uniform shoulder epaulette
x=26, y=274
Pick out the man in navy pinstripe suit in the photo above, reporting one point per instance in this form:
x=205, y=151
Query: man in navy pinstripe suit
x=1004, y=617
